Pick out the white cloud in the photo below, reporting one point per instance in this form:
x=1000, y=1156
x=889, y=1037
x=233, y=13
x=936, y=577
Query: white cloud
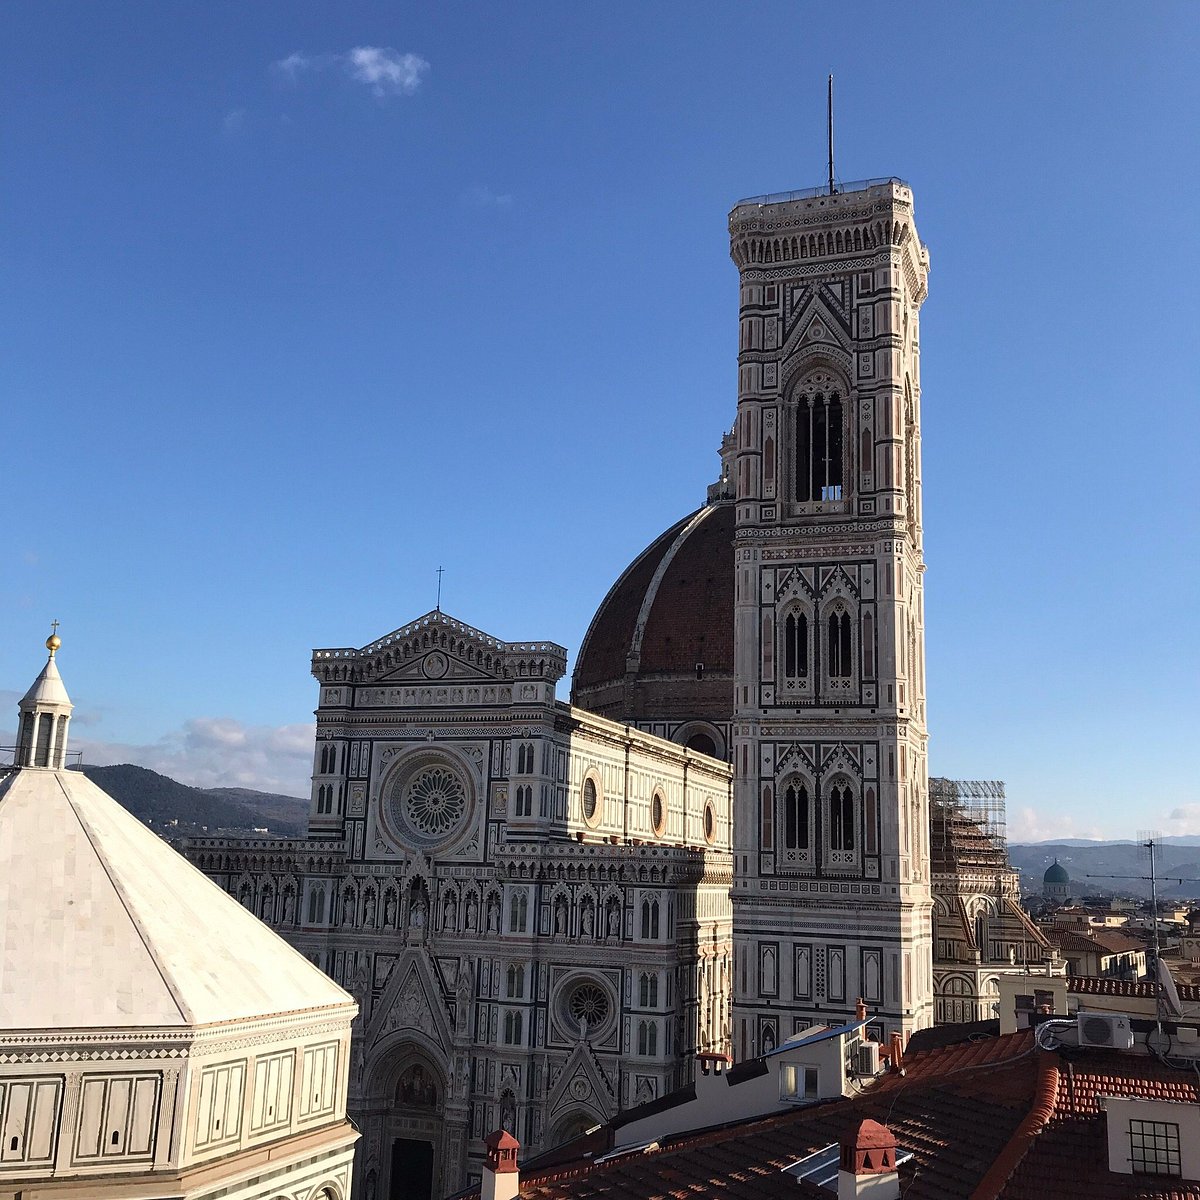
x=385, y=71
x=233, y=120
x=216, y=752
x=1032, y=825
x=1185, y=819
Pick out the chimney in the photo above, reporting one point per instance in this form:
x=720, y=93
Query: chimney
x=501, y=1179
x=860, y=1009
x=867, y=1169
x=897, y=1052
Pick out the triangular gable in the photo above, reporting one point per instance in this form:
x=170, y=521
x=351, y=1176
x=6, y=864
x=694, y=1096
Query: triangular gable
x=412, y=999
x=582, y=1081
x=816, y=322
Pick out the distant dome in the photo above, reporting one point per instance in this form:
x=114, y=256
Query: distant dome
x=661, y=644
x=1056, y=874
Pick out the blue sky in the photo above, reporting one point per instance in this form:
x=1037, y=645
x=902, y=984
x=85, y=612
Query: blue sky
x=288, y=326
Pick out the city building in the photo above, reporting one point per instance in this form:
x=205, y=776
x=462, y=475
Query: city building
x=155, y=1038
x=529, y=901
x=991, y=1118
x=980, y=930
x=1056, y=883
x=832, y=895
x=532, y=900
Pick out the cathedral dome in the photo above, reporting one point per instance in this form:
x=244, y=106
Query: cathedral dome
x=1056, y=874
x=660, y=647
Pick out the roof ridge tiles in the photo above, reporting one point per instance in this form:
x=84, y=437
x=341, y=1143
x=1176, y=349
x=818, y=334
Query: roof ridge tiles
x=1044, y=1099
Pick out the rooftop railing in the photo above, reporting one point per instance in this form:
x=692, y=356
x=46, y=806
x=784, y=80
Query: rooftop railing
x=855, y=185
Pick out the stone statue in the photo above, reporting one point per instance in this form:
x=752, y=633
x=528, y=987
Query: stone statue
x=369, y=910
x=613, y=918
x=587, y=923
x=472, y=912
x=449, y=913
x=560, y=916
x=389, y=909
x=493, y=915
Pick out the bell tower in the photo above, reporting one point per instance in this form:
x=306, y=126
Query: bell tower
x=831, y=895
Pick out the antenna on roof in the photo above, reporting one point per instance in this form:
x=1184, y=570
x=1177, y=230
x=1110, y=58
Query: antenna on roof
x=832, y=188
x=1151, y=845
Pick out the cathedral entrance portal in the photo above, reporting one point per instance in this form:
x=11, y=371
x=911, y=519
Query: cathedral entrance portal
x=412, y=1126
x=412, y=1169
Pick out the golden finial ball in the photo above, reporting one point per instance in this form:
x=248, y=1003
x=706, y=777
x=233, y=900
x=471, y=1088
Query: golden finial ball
x=53, y=642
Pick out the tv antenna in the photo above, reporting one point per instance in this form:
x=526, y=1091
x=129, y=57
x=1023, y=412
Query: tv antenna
x=829, y=110
x=1151, y=844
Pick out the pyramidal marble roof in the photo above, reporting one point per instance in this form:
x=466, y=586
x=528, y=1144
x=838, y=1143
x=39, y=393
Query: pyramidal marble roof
x=103, y=925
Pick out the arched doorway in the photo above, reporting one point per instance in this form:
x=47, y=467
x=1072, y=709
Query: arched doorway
x=407, y=1099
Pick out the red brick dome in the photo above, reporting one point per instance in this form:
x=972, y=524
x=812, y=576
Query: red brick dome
x=660, y=648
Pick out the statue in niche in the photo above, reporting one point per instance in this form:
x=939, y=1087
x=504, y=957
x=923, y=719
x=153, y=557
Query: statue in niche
x=389, y=909
x=369, y=910
x=449, y=913
x=472, y=912
x=463, y=990
x=587, y=920
x=347, y=907
x=289, y=906
x=508, y=1112
x=560, y=916
x=612, y=919
x=493, y=914
x=418, y=909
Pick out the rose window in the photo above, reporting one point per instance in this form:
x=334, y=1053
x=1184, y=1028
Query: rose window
x=588, y=1002
x=435, y=802
x=426, y=801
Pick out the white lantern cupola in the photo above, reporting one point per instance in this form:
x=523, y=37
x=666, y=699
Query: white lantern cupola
x=45, y=713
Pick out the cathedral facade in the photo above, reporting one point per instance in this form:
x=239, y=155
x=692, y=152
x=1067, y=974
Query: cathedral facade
x=545, y=910
x=529, y=902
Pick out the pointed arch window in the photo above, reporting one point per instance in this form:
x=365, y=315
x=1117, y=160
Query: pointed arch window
x=795, y=816
x=839, y=645
x=514, y=1027
x=841, y=817
x=647, y=1037
x=515, y=982
x=795, y=645
x=818, y=442
x=518, y=912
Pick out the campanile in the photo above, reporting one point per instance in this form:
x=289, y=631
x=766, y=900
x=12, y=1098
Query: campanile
x=831, y=868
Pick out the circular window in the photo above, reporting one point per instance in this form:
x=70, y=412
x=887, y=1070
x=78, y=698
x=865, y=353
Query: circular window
x=585, y=1006
x=710, y=822
x=435, y=802
x=658, y=813
x=589, y=799
x=427, y=801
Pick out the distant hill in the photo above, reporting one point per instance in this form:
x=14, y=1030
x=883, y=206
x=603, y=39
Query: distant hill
x=165, y=804
x=1088, y=862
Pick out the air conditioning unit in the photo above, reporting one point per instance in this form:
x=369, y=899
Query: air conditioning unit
x=866, y=1059
x=1110, y=1030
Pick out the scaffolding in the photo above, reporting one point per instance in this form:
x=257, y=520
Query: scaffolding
x=968, y=825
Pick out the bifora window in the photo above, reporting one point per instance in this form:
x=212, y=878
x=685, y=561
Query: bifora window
x=818, y=440
x=795, y=645
x=795, y=817
x=1154, y=1148
x=841, y=817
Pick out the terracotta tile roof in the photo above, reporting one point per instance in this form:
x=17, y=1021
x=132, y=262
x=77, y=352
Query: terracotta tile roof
x=1095, y=985
x=991, y=1119
x=925, y=1110
x=1099, y=941
x=1069, y=1156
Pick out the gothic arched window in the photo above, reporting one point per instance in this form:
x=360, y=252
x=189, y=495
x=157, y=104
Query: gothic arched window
x=841, y=817
x=839, y=645
x=650, y=919
x=818, y=440
x=648, y=990
x=515, y=983
x=518, y=912
x=647, y=1037
x=513, y=1027
x=795, y=816
x=795, y=645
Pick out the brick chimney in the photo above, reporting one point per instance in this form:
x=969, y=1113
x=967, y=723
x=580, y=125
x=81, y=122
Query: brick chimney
x=501, y=1179
x=867, y=1170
